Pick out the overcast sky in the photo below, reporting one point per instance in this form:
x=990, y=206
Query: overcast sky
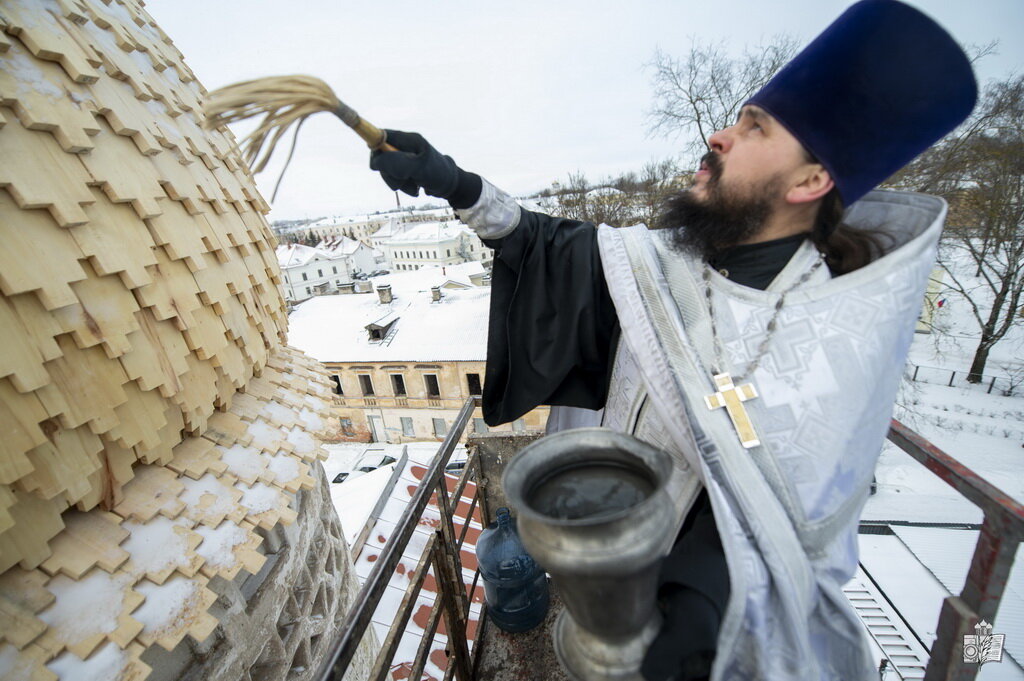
x=521, y=92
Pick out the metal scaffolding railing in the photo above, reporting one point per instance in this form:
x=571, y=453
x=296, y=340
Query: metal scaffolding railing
x=441, y=553
x=1001, y=534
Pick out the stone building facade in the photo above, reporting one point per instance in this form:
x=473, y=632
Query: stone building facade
x=409, y=401
x=434, y=244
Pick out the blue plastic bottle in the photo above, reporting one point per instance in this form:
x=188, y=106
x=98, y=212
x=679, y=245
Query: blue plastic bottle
x=515, y=587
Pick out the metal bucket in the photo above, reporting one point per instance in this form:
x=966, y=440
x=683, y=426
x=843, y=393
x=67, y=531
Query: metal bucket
x=593, y=511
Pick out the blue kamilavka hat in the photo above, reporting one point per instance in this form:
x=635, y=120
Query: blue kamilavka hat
x=879, y=86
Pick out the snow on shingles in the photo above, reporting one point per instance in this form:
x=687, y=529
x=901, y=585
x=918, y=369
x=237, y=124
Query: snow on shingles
x=219, y=543
x=265, y=435
x=109, y=662
x=284, y=468
x=302, y=441
x=332, y=328
x=169, y=608
x=208, y=498
x=99, y=594
x=245, y=463
x=311, y=420
x=259, y=498
x=161, y=546
x=278, y=411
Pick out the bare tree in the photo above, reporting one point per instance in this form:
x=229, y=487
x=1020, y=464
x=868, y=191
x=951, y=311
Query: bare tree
x=979, y=169
x=702, y=92
x=572, y=197
x=627, y=199
x=658, y=180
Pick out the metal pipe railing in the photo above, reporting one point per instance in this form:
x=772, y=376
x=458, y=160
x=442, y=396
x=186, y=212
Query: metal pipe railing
x=1001, y=533
x=344, y=647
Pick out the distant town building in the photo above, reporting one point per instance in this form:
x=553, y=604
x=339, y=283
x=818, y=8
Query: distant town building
x=433, y=244
x=360, y=258
x=363, y=227
x=357, y=227
x=404, y=358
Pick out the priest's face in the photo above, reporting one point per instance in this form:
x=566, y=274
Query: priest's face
x=742, y=183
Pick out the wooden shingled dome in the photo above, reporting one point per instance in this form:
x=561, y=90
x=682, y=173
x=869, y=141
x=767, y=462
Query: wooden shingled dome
x=152, y=419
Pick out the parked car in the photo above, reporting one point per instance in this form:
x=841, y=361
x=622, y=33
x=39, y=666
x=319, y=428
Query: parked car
x=456, y=464
x=371, y=459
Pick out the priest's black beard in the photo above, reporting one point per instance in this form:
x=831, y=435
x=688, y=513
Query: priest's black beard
x=724, y=219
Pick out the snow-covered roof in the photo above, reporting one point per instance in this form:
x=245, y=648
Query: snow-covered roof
x=604, y=191
x=430, y=232
x=340, y=220
x=463, y=273
x=333, y=328
x=339, y=245
x=296, y=255
x=389, y=229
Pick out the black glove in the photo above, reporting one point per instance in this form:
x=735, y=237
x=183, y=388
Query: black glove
x=416, y=164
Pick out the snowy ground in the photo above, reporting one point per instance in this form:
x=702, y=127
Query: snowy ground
x=984, y=432
x=917, y=567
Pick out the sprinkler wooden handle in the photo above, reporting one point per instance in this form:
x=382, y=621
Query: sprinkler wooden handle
x=374, y=137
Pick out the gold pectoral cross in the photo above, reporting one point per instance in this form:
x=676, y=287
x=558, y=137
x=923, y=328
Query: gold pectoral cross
x=732, y=398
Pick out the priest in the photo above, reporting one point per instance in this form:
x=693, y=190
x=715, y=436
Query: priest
x=759, y=335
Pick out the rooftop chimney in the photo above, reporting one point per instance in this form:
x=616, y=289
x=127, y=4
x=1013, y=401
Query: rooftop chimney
x=384, y=292
x=435, y=293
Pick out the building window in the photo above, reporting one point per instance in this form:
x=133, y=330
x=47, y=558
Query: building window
x=479, y=426
x=336, y=380
x=346, y=427
x=335, y=268
x=440, y=429
x=398, y=384
x=518, y=426
x=309, y=291
x=304, y=277
x=449, y=251
x=366, y=383
x=407, y=427
x=433, y=390
x=319, y=273
x=473, y=383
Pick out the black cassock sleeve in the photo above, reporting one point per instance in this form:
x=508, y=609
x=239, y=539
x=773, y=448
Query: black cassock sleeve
x=553, y=328
x=551, y=340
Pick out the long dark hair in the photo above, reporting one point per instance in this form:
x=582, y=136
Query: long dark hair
x=846, y=249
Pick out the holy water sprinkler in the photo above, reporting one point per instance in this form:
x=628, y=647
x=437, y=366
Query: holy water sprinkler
x=593, y=511
x=282, y=101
